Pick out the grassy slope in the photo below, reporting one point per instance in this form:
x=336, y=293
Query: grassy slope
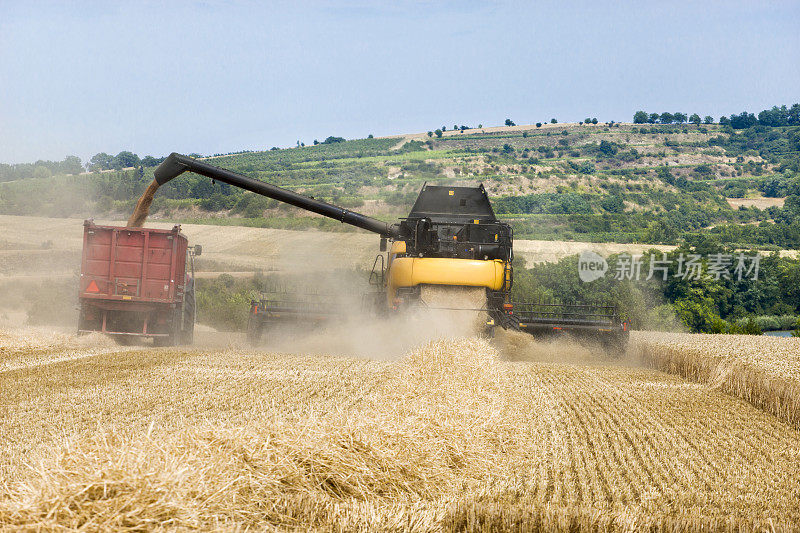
x=562, y=166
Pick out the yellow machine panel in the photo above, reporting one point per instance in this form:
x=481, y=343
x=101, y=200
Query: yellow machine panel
x=413, y=271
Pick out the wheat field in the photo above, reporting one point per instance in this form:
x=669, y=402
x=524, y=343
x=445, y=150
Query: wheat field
x=763, y=370
x=451, y=436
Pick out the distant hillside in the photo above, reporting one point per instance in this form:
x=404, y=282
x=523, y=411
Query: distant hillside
x=606, y=182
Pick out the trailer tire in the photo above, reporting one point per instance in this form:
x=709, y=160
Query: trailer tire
x=175, y=331
x=189, y=310
x=123, y=340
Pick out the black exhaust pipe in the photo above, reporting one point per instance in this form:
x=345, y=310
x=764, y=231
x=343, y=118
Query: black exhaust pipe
x=176, y=164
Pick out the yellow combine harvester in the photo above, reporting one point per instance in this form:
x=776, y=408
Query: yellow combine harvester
x=450, y=238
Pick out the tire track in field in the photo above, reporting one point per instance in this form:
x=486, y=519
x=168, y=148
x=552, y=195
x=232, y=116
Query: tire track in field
x=35, y=347
x=37, y=363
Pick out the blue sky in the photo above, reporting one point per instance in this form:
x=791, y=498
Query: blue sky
x=217, y=76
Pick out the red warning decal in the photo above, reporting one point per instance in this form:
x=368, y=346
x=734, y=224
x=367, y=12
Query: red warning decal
x=92, y=287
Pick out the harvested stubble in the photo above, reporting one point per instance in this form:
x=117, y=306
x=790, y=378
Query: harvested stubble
x=763, y=370
x=449, y=438
x=31, y=347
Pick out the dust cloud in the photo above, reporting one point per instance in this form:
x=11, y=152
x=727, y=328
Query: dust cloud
x=358, y=329
x=354, y=325
x=517, y=346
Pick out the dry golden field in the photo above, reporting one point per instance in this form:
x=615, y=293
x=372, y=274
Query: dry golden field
x=457, y=434
x=760, y=369
x=234, y=248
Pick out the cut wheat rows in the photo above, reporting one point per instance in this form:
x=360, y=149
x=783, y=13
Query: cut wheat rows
x=447, y=438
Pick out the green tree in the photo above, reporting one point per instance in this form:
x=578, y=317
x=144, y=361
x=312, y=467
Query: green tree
x=101, y=161
x=608, y=148
x=594, y=120
x=553, y=121
x=509, y=122
x=666, y=118
x=613, y=204
x=695, y=119
x=587, y=120
x=708, y=119
x=72, y=165
x=679, y=118
x=743, y=120
x=697, y=311
x=150, y=161
x=640, y=117
x=777, y=116
x=41, y=172
x=438, y=132
x=125, y=160
x=653, y=118
x=538, y=124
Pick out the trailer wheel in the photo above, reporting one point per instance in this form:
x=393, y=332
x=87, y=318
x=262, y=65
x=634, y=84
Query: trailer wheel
x=123, y=340
x=189, y=309
x=175, y=331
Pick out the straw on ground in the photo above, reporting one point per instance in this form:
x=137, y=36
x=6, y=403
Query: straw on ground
x=449, y=437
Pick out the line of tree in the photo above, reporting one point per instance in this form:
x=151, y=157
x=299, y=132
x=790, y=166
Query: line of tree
x=124, y=159
x=643, y=117
x=777, y=116
x=40, y=169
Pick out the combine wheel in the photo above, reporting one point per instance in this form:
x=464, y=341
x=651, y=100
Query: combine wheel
x=616, y=345
x=160, y=342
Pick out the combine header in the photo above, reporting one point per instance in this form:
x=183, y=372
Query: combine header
x=450, y=238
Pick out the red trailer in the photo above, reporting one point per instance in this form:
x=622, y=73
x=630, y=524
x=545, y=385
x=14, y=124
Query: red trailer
x=137, y=282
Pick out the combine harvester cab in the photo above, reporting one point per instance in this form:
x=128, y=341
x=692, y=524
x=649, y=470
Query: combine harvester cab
x=137, y=283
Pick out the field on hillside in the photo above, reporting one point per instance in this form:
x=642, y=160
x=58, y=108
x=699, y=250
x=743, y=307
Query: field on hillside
x=38, y=245
x=456, y=434
x=622, y=183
